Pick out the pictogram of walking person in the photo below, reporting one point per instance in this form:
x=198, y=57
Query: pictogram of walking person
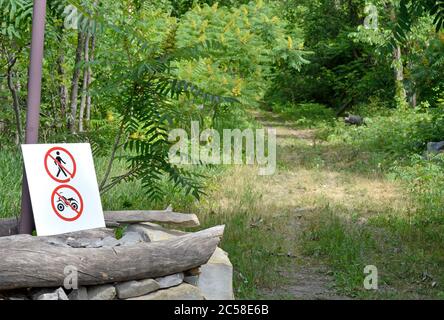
x=58, y=163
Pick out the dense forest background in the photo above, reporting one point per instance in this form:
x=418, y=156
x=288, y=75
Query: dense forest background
x=121, y=74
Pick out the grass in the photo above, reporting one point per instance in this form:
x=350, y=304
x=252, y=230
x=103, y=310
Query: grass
x=409, y=259
x=11, y=181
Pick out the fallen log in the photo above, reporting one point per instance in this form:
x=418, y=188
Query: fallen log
x=8, y=227
x=159, y=216
x=113, y=219
x=28, y=261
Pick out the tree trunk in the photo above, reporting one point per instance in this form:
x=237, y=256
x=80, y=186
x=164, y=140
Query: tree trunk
x=401, y=95
x=75, y=83
x=31, y=262
x=63, y=92
x=414, y=100
x=88, y=97
x=15, y=100
x=85, y=83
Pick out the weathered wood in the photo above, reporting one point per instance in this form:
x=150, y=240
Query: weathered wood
x=113, y=219
x=8, y=227
x=28, y=261
x=159, y=216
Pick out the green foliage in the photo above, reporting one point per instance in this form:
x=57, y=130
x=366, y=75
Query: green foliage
x=411, y=10
x=253, y=40
x=140, y=90
x=342, y=71
x=15, y=17
x=398, y=135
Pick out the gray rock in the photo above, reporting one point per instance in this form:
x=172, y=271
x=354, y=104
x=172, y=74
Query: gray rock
x=109, y=242
x=57, y=242
x=170, y=281
x=79, y=239
x=102, y=292
x=79, y=294
x=354, y=120
x=132, y=289
x=193, y=280
x=45, y=294
x=84, y=242
x=184, y=291
x=153, y=231
x=216, y=277
x=130, y=238
x=435, y=147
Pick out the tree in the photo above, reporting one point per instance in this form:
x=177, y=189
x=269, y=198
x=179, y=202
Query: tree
x=14, y=31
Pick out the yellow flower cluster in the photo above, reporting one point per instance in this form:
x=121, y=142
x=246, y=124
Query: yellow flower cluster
x=290, y=43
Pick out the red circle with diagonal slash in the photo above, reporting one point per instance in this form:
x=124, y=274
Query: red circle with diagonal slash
x=67, y=203
x=71, y=174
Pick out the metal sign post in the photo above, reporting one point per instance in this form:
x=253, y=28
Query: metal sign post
x=33, y=105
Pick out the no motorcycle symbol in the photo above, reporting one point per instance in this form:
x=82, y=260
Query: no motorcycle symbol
x=67, y=203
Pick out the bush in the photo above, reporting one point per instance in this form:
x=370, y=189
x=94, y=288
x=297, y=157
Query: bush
x=243, y=46
x=398, y=135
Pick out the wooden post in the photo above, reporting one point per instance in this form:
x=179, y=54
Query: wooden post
x=33, y=104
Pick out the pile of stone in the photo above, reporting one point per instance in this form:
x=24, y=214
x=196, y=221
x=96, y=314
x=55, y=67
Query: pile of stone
x=211, y=280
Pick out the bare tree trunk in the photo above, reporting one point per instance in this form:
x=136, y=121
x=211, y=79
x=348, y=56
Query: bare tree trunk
x=85, y=83
x=15, y=100
x=401, y=94
x=63, y=91
x=75, y=83
x=88, y=97
x=414, y=99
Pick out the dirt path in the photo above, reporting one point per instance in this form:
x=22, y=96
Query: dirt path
x=308, y=179
x=305, y=280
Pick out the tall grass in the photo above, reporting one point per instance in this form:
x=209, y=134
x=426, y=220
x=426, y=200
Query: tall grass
x=11, y=167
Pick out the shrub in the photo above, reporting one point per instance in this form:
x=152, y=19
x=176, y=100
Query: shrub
x=398, y=135
x=244, y=44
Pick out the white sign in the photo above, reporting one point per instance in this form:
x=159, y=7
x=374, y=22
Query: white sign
x=63, y=186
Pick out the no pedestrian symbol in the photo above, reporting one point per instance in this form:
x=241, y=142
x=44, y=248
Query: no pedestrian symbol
x=60, y=164
x=63, y=187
